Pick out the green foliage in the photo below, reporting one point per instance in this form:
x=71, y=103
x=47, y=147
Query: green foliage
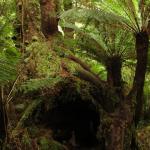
x=96, y=35
x=127, y=15
x=106, y=40
x=131, y=14
x=27, y=114
x=96, y=40
x=46, y=144
x=9, y=56
x=41, y=58
x=8, y=70
x=147, y=93
x=37, y=84
x=26, y=141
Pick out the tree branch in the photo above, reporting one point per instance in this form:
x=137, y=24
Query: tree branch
x=88, y=76
x=84, y=66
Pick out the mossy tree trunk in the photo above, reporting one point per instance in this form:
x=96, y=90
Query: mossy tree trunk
x=27, y=23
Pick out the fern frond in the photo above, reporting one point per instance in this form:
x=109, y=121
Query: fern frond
x=136, y=12
x=100, y=15
x=104, y=42
x=129, y=14
x=27, y=115
x=7, y=70
x=36, y=84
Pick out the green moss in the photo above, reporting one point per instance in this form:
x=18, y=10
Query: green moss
x=46, y=144
x=26, y=139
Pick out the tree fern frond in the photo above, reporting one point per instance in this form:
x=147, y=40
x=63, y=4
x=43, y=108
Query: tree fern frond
x=122, y=9
x=136, y=12
x=100, y=15
x=7, y=70
x=104, y=42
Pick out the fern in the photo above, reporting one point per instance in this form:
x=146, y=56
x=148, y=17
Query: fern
x=129, y=14
x=27, y=114
x=7, y=69
x=9, y=56
x=100, y=15
x=104, y=42
x=37, y=84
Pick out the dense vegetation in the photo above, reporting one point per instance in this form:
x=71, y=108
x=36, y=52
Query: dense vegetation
x=74, y=74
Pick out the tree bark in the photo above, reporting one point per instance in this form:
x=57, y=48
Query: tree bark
x=49, y=19
x=27, y=23
x=142, y=43
x=116, y=126
x=114, y=76
x=114, y=66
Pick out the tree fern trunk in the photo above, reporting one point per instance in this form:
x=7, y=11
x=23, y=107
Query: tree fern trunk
x=118, y=127
x=114, y=66
x=123, y=119
x=142, y=43
x=114, y=77
x=115, y=136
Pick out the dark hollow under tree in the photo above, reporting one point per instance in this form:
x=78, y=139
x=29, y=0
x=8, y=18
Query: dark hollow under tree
x=73, y=116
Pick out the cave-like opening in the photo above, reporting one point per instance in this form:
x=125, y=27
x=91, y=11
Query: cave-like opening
x=76, y=121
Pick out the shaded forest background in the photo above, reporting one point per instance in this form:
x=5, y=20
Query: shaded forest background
x=74, y=74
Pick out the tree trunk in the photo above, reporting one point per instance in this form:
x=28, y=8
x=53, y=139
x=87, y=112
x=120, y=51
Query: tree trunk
x=142, y=43
x=116, y=126
x=114, y=66
x=114, y=77
x=49, y=20
x=123, y=118
x=26, y=25
x=3, y=123
x=115, y=136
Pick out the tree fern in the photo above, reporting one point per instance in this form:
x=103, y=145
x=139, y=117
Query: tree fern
x=135, y=12
x=103, y=42
x=130, y=14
